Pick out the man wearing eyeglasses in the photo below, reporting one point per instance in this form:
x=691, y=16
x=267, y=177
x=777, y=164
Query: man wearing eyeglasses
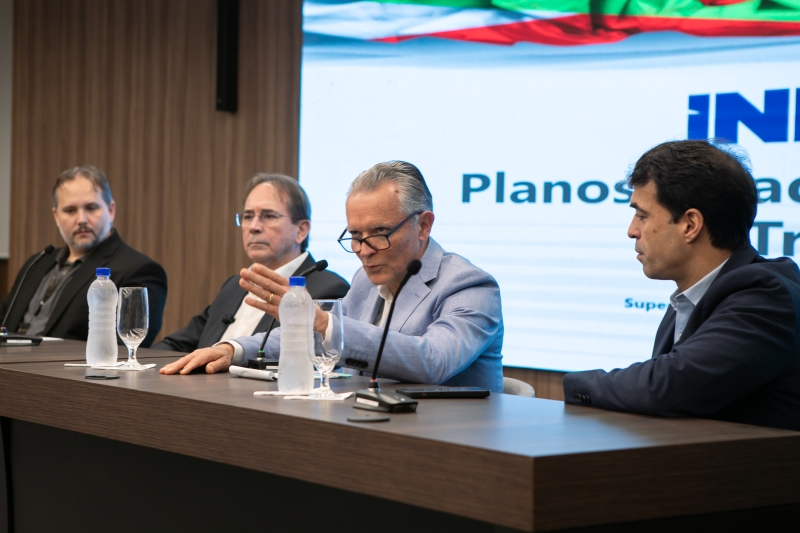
x=275, y=226
x=447, y=326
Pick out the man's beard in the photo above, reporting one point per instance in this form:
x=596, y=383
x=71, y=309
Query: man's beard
x=84, y=245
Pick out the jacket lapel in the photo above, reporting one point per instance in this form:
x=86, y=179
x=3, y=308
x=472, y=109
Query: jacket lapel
x=231, y=304
x=666, y=333
x=739, y=258
x=305, y=265
x=370, y=308
x=416, y=290
x=84, y=275
x=28, y=289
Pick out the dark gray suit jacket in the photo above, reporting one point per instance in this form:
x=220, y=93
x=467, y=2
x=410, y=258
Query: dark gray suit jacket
x=70, y=317
x=738, y=358
x=206, y=329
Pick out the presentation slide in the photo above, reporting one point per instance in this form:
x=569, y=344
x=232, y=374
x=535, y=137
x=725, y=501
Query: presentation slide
x=525, y=118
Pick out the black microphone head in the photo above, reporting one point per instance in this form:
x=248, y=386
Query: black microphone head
x=49, y=249
x=414, y=266
x=316, y=267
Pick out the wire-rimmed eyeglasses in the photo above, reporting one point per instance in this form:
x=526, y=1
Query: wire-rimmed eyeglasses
x=266, y=217
x=376, y=242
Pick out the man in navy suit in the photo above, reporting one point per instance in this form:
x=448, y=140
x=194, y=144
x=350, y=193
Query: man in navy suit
x=275, y=224
x=727, y=347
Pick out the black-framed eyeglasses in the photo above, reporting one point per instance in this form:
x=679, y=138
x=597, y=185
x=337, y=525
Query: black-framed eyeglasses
x=267, y=217
x=376, y=242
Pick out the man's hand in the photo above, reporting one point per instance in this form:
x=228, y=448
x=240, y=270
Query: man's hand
x=270, y=287
x=321, y=321
x=267, y=285
x=216, y=358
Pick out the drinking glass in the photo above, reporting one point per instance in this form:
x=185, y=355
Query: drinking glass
x=133, y=317
x=327, y=352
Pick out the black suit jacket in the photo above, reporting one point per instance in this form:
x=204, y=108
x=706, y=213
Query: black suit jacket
x=738, y=358
x=207, y=328
x=70, y=318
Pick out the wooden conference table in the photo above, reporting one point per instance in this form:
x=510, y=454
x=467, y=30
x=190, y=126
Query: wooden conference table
x=200, y=452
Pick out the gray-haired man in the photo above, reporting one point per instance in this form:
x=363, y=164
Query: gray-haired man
x=275, y=226
x=447, y=326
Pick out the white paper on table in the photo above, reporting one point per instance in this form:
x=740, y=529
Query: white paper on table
x=253, y=373
x=338, y=397
x=51, y=339
x=86, y=365
x=115, y=367
x=269, y=375
x=292, y=396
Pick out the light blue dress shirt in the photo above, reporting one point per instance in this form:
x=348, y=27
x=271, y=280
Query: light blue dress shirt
x=683, y=302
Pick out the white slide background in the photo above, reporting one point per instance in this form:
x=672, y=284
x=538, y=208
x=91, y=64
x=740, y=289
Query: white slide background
x=565, y=270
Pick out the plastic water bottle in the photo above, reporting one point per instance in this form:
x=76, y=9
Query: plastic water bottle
x=101, y=346
x=296, y=312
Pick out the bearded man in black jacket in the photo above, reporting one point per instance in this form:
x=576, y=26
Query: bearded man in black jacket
x=52, y=298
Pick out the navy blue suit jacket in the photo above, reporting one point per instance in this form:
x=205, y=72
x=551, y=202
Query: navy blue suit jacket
x=738, y=358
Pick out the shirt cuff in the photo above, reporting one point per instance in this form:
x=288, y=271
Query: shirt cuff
x=238, y=352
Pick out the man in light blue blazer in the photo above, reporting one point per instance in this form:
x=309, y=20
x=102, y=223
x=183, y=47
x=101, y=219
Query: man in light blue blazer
x=447, y=326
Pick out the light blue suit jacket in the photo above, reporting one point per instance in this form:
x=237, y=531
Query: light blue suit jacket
x=447, y=326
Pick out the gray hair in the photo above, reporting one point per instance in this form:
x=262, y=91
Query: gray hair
x=296, y=199
x=414, y=194
x=93, y=174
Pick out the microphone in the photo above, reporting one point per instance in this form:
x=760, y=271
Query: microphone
x=318, y=266
x=4, y=335
x=260, y=361
x=228, y=319
x=372, y=399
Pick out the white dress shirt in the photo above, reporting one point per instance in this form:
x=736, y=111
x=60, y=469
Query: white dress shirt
x=248, y=317
x=684, y=302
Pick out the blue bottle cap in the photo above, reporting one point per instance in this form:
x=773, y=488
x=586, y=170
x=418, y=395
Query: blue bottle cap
x=103, y=272
x=297, y=281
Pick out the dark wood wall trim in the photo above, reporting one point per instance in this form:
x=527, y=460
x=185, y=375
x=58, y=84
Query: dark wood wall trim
x=546, y=383
x=129, y=86
x=5, y=282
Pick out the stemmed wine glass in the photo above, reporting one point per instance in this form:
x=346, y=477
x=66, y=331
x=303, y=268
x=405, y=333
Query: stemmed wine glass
x=326, y=353
x=133, y=318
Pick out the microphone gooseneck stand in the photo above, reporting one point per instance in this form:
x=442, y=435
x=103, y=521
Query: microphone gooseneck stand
x=372, y=399
x=261, y=362
x=17, y=338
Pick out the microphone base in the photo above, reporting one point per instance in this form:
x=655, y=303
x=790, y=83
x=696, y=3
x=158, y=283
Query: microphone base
x=384, y=402
x=262, y=364
x=17, y=339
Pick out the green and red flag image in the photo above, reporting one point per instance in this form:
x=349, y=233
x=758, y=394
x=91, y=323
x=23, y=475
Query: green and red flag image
x=549, y=22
